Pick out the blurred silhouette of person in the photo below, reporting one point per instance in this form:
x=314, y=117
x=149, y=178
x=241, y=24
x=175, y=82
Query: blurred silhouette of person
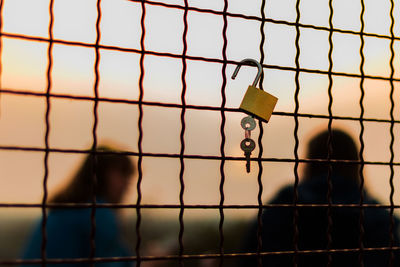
x=312, y=222
x=69, y=229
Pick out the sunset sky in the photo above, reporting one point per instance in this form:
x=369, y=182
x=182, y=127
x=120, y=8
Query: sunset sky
x=24, y=66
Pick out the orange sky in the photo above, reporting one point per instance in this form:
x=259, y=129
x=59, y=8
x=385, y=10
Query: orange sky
x=24, y=68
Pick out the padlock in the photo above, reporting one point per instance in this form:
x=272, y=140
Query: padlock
x=256, y=102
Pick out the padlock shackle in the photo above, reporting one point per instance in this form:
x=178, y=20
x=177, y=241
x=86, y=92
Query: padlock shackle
x=255, y=62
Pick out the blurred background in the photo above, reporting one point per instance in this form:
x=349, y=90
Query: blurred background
x=24, y=65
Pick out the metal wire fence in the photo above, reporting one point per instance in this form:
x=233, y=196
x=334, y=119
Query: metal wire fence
x=48, y=95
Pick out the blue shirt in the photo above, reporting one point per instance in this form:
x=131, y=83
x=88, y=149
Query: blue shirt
x=68, y=236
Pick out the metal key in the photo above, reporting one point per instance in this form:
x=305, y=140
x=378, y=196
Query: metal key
x=248, y=124
x=247, y=145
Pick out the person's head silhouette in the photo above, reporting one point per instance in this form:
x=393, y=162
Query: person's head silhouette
x=343, y=147
x=113, y=174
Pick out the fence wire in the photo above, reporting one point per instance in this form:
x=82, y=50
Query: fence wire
x=222, y=158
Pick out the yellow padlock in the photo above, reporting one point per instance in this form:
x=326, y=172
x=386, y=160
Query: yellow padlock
x=256, y=102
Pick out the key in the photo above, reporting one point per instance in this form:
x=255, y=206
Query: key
x=248, y=123
x=247, y=145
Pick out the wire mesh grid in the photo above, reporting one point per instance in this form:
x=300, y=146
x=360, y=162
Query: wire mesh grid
x=97, y=46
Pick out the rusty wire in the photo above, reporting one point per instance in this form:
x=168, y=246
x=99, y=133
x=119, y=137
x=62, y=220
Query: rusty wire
x=260, y=145
x=222, y=109
x=47, y=133
x=140, y=138
x=296, y=139
x=190, y=156
x=361, y=138
x=391, y=146
x=182, y=137
x=197, y=256
x=223, y=138
x=329, y=144
x=94, y=134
